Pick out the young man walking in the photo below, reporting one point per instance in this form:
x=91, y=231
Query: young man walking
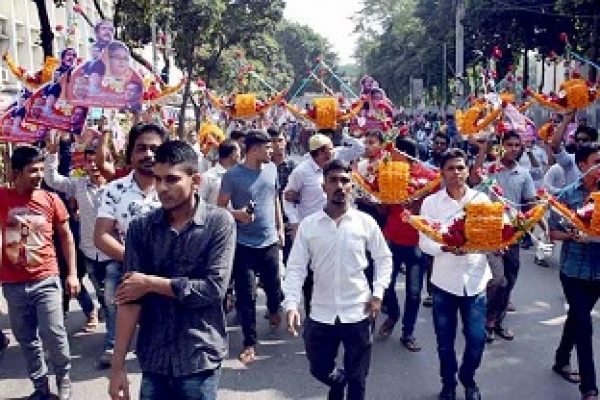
x=178, y=261
x=334, y=242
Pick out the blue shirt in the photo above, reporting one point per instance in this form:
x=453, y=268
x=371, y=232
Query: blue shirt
x=243, y=184
x=577, y=260
x=517, y=184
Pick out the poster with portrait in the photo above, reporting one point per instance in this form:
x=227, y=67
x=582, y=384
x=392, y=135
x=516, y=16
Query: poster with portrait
x=107, y=79
x=13, y=127
x=48, y=105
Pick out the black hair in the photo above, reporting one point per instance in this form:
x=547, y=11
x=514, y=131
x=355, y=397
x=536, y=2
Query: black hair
x=64, y=51
x=237, y=134
x=226, y=148
x=89, y=151
x=451, y=154
x=256, y=138
x=25, y=155
x=137, y=131
x=407, y=146
x=273, y=132
x=178, y=152
x=442, y=136
x=327, y=132
x=511, y=135
x=336, y=165
x=584, y=151
x=377, y=134
x=592, y=133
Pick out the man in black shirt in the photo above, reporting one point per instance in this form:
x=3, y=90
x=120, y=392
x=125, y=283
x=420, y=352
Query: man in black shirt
x=179, y=261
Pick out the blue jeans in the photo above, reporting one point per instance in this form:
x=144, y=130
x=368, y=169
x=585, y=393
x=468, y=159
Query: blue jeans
x=114, y=274
x=415, y=272
x=446, y=307
x=36, y=315
x=200, y=386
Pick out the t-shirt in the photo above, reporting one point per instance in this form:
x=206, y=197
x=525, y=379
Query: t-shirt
x=244, y=184
x=27, y=222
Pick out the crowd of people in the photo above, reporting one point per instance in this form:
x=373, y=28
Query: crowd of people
x=174, y=240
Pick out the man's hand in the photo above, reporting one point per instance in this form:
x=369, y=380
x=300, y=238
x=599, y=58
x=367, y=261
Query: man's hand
x=134, y=286
x=457, y=251
x=118, y=386
x=72, y=286
x=293, y=322
x=292, y=196
x=52, y=140
x=243, y=217
x=373, y=307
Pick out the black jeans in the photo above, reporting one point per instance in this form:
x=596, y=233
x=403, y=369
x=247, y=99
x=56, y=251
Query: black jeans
x=505, y=270
x=322, y=342
x=247, y=263
x=581, y=296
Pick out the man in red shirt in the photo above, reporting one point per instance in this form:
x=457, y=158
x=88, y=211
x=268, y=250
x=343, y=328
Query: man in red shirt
x=29, y=217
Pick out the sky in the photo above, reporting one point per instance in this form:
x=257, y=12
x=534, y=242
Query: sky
x=329, y=18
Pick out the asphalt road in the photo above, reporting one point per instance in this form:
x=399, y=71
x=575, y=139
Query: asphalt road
x=510, y=370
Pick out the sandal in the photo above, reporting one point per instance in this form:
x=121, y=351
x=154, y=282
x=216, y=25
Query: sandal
x=247, y=356
x=566, y=373
x=92, y=322
x=504, y=333
x=386, y=329
x=411, y=344
x=489, y=334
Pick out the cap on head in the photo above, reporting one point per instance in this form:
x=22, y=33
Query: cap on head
x=317, y=141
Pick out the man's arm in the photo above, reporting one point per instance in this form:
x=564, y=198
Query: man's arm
x=105, y=241
x=382, y=258
x=68, y=249
x=55, y=180
x=128, y=316
x=559, y=134
x=191, y=293
x=475, y=177
x=224, y=198
x=295, y=274
x=352, y=153
x=290, y=208
x=104, y=159
x=426, y=244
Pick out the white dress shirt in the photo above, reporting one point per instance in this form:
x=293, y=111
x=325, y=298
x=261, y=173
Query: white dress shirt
x=88, y=198
x=307, y=180
x=351, y=149
x=211, y=183
x=466, y=275
x=336, y=252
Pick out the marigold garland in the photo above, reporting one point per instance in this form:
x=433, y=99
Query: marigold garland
x=573, y=94
x=589, y=223
x=469, y=123
x=326, y=112
x=504, y=235
x=396, y=183
x=36, y=80
x=245, y=105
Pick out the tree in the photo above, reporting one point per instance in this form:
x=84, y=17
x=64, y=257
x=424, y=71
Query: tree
x=302, y=46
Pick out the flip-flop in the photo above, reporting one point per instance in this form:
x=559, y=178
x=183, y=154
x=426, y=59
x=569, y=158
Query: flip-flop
x=566, y=373
x=247, y=356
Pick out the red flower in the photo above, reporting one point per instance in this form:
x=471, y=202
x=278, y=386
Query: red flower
x=507, y=232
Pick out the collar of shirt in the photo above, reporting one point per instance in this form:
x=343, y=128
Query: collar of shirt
x=160, y=217
x=313, y=165
x=129, y=183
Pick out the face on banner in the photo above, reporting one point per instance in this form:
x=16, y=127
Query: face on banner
x=14, y=129
x=107, y=79
x=48, y=106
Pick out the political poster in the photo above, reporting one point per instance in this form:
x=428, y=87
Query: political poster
x=107, y=79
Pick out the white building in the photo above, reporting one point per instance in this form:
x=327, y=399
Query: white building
x=20, y=36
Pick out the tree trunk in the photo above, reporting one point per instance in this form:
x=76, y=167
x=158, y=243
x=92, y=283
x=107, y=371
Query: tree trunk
x=46, y=35
x=185, y=98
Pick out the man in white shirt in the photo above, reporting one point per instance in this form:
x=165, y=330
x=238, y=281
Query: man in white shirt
x=229, y=155
x=334, y=242
x=459, y=281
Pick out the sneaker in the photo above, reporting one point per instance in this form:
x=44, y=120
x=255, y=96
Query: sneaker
x=411, y=344
x=104, y=360
x=42, y=391
x=447, y=393
x=65, y=388
x=472, y=393
x=428, y=301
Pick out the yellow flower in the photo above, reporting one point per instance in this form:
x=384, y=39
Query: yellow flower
x=245, y=105
x=326, y=112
